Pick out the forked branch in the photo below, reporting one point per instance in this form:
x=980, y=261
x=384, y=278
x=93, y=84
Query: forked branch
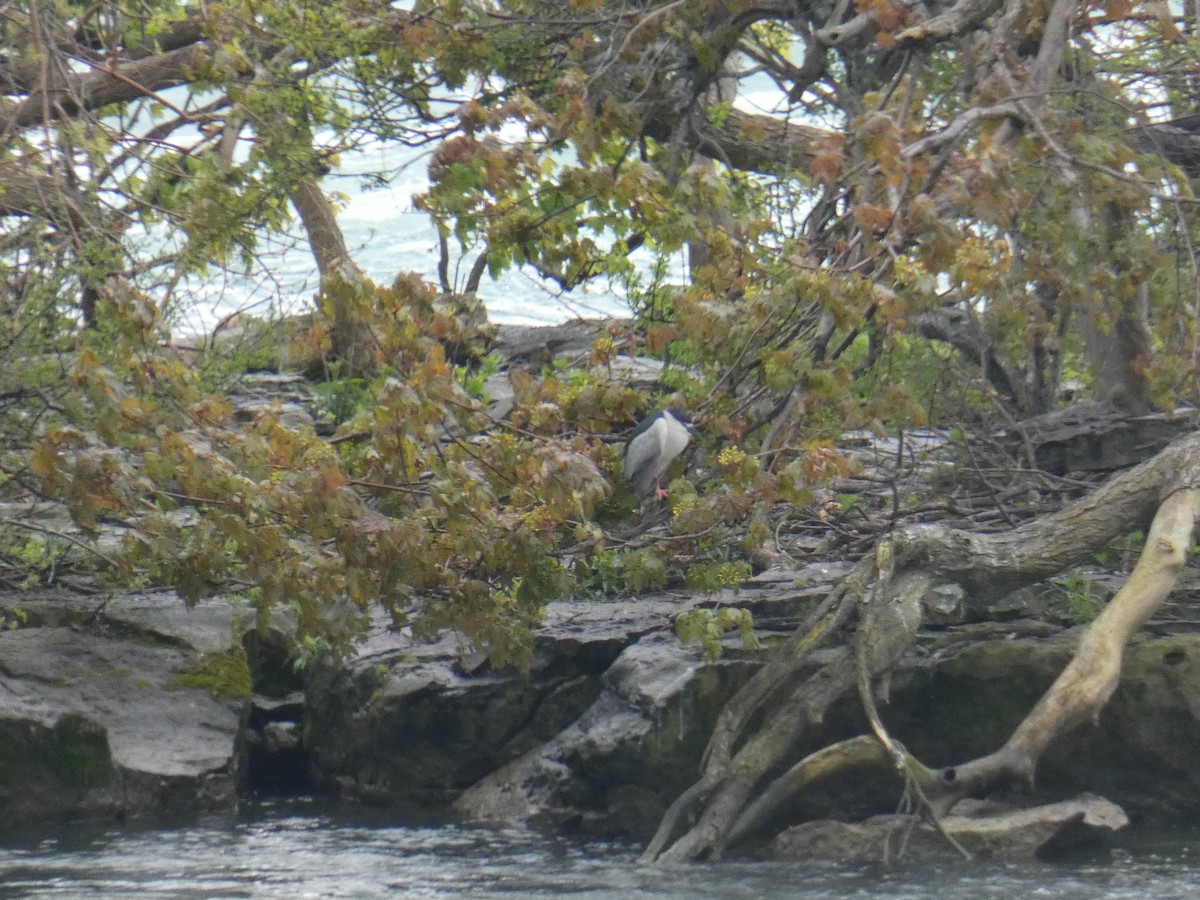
x=888, y=589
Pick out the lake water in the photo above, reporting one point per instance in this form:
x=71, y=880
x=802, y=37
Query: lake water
x=386, y=236
x=305, y=848
x=374, y=185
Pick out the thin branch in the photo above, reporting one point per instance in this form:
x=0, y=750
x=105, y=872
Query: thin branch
x=53, y=532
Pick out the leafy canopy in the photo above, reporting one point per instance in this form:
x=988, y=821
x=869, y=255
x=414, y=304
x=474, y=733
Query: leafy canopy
x=967, y=206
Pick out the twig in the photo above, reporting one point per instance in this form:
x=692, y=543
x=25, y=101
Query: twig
x=53, y=532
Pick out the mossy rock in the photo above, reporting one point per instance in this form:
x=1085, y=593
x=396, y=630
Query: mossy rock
x=73, y=752
x=970, y=704
x=226, y=676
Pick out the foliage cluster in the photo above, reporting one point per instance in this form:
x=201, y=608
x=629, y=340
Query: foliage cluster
x=931, y=218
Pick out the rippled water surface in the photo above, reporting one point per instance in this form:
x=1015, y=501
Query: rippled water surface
x=297, y=850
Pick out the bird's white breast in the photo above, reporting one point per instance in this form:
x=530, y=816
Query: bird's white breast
x=672, y=438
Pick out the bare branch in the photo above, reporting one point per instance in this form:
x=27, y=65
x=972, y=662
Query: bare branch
x=962, y=17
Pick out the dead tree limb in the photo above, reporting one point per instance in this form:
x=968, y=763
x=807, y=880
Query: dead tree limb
x=887, y=590
x=1088, y=681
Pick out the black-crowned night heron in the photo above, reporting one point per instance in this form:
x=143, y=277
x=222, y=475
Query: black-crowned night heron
x=656, y=443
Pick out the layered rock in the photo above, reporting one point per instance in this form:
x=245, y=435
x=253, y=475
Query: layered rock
x=107, y=708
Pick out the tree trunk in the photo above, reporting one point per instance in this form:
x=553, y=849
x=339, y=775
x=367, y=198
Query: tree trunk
x=344, y=287
x=342, y=281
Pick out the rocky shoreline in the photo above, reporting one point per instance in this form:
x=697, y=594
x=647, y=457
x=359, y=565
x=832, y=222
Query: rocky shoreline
x=121, y=710
x=138, y=707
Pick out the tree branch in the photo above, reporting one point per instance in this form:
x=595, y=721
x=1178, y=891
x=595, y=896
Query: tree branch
x=1088, y=681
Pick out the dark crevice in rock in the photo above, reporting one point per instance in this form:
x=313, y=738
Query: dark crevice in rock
x=271, y=670
x=277, y=762
x=567, y=659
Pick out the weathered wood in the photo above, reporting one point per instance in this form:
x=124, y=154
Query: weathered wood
x=1163, y=493
x=1088, y=681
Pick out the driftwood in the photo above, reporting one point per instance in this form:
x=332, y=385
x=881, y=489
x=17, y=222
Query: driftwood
x=883, y=598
